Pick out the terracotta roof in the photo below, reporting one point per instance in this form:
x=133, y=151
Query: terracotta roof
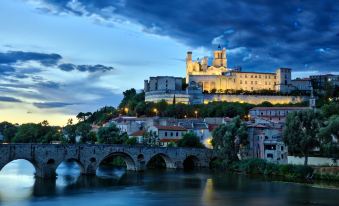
x=168, y=140
x=138, y=133
x=279, y=108
x=173, y=128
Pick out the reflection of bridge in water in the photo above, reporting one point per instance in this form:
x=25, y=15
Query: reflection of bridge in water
x=47, y=157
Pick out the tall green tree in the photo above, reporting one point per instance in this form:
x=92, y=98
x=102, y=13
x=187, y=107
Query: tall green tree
x=111, y=135
x=70, y=132
x=229, y=138
x=83, y=130
x=329, y=137
x=300, y=132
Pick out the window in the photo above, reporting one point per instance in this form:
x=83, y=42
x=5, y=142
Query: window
x=269, y=156
x=171, y=134
x=245, y=75
x=259, y=76
x=282, y=148
x=177, y=134
x=245, y=82
x=165, y=134
x=255, y=76
x=251, y=76
x=251, y=82
x=240, y=81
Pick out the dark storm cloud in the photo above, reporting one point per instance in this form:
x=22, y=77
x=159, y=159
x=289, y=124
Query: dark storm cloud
x=9, y=99
x=48, y=105
x=85, y=68
x=12, y=57
x=297, y=33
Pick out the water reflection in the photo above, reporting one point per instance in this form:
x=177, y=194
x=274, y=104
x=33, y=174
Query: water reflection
x=16, y=180
x=119, y=187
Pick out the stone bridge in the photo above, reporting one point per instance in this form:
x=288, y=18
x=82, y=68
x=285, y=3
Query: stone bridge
x=47, y=157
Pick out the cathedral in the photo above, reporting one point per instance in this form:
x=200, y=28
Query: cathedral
x=217, y=82
x=218, y=78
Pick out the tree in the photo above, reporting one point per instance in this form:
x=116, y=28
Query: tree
x=330, y=109
x=329, y=137
x=190, y=140
x=81, y=116
x=151, y=138
x=83, y=129
x=229, y=138
x=131, y=141
x=70, y=132
x=27, y=133
x=300, y=132
x=8, y=130
x=111, y=135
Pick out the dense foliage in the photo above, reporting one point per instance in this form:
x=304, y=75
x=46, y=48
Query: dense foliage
x=133, y=104
x=190, y=140
x=37, y=133
x=111, y=135
x=8, y=131
x=228, y=139
x=300, y=132
x=260, y=166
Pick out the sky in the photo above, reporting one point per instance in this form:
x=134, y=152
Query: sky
x=61, y=57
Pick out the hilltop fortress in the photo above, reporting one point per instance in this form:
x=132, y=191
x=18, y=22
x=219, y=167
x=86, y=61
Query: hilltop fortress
x=218, y=82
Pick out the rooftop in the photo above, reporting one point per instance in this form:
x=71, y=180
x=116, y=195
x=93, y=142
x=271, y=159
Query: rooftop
x=173, y=128
x=138, y=133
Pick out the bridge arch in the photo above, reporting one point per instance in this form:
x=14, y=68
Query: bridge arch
x=191, y=162
x=169, y=163
x=35, y=166
x=130, y=164
x=72, y=160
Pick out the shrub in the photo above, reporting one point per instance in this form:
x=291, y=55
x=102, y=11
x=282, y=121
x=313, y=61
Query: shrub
x=260, y=166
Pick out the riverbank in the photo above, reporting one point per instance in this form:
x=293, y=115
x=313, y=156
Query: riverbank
x=289, y=172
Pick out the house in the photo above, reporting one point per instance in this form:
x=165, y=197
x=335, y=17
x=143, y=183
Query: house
x=128, y=124
x=139, y=135
x=265, y=142
x=274, y=114
x=167, y=134
x=200, y=129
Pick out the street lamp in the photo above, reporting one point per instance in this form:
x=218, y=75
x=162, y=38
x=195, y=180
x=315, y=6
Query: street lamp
x=196, y=114
x=126, y=110
x=155, y=111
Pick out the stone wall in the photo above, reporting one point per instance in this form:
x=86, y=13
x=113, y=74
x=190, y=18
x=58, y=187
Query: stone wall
x=254, y=99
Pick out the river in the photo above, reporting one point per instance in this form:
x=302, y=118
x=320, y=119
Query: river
x=159, y=188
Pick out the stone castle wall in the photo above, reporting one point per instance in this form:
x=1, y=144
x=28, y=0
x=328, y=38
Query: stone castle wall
x=254, y=99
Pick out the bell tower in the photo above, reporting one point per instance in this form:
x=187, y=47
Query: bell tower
x=220, y=59
x=188, y=65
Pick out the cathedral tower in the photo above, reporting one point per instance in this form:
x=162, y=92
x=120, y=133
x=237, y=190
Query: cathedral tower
x=220, y=59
